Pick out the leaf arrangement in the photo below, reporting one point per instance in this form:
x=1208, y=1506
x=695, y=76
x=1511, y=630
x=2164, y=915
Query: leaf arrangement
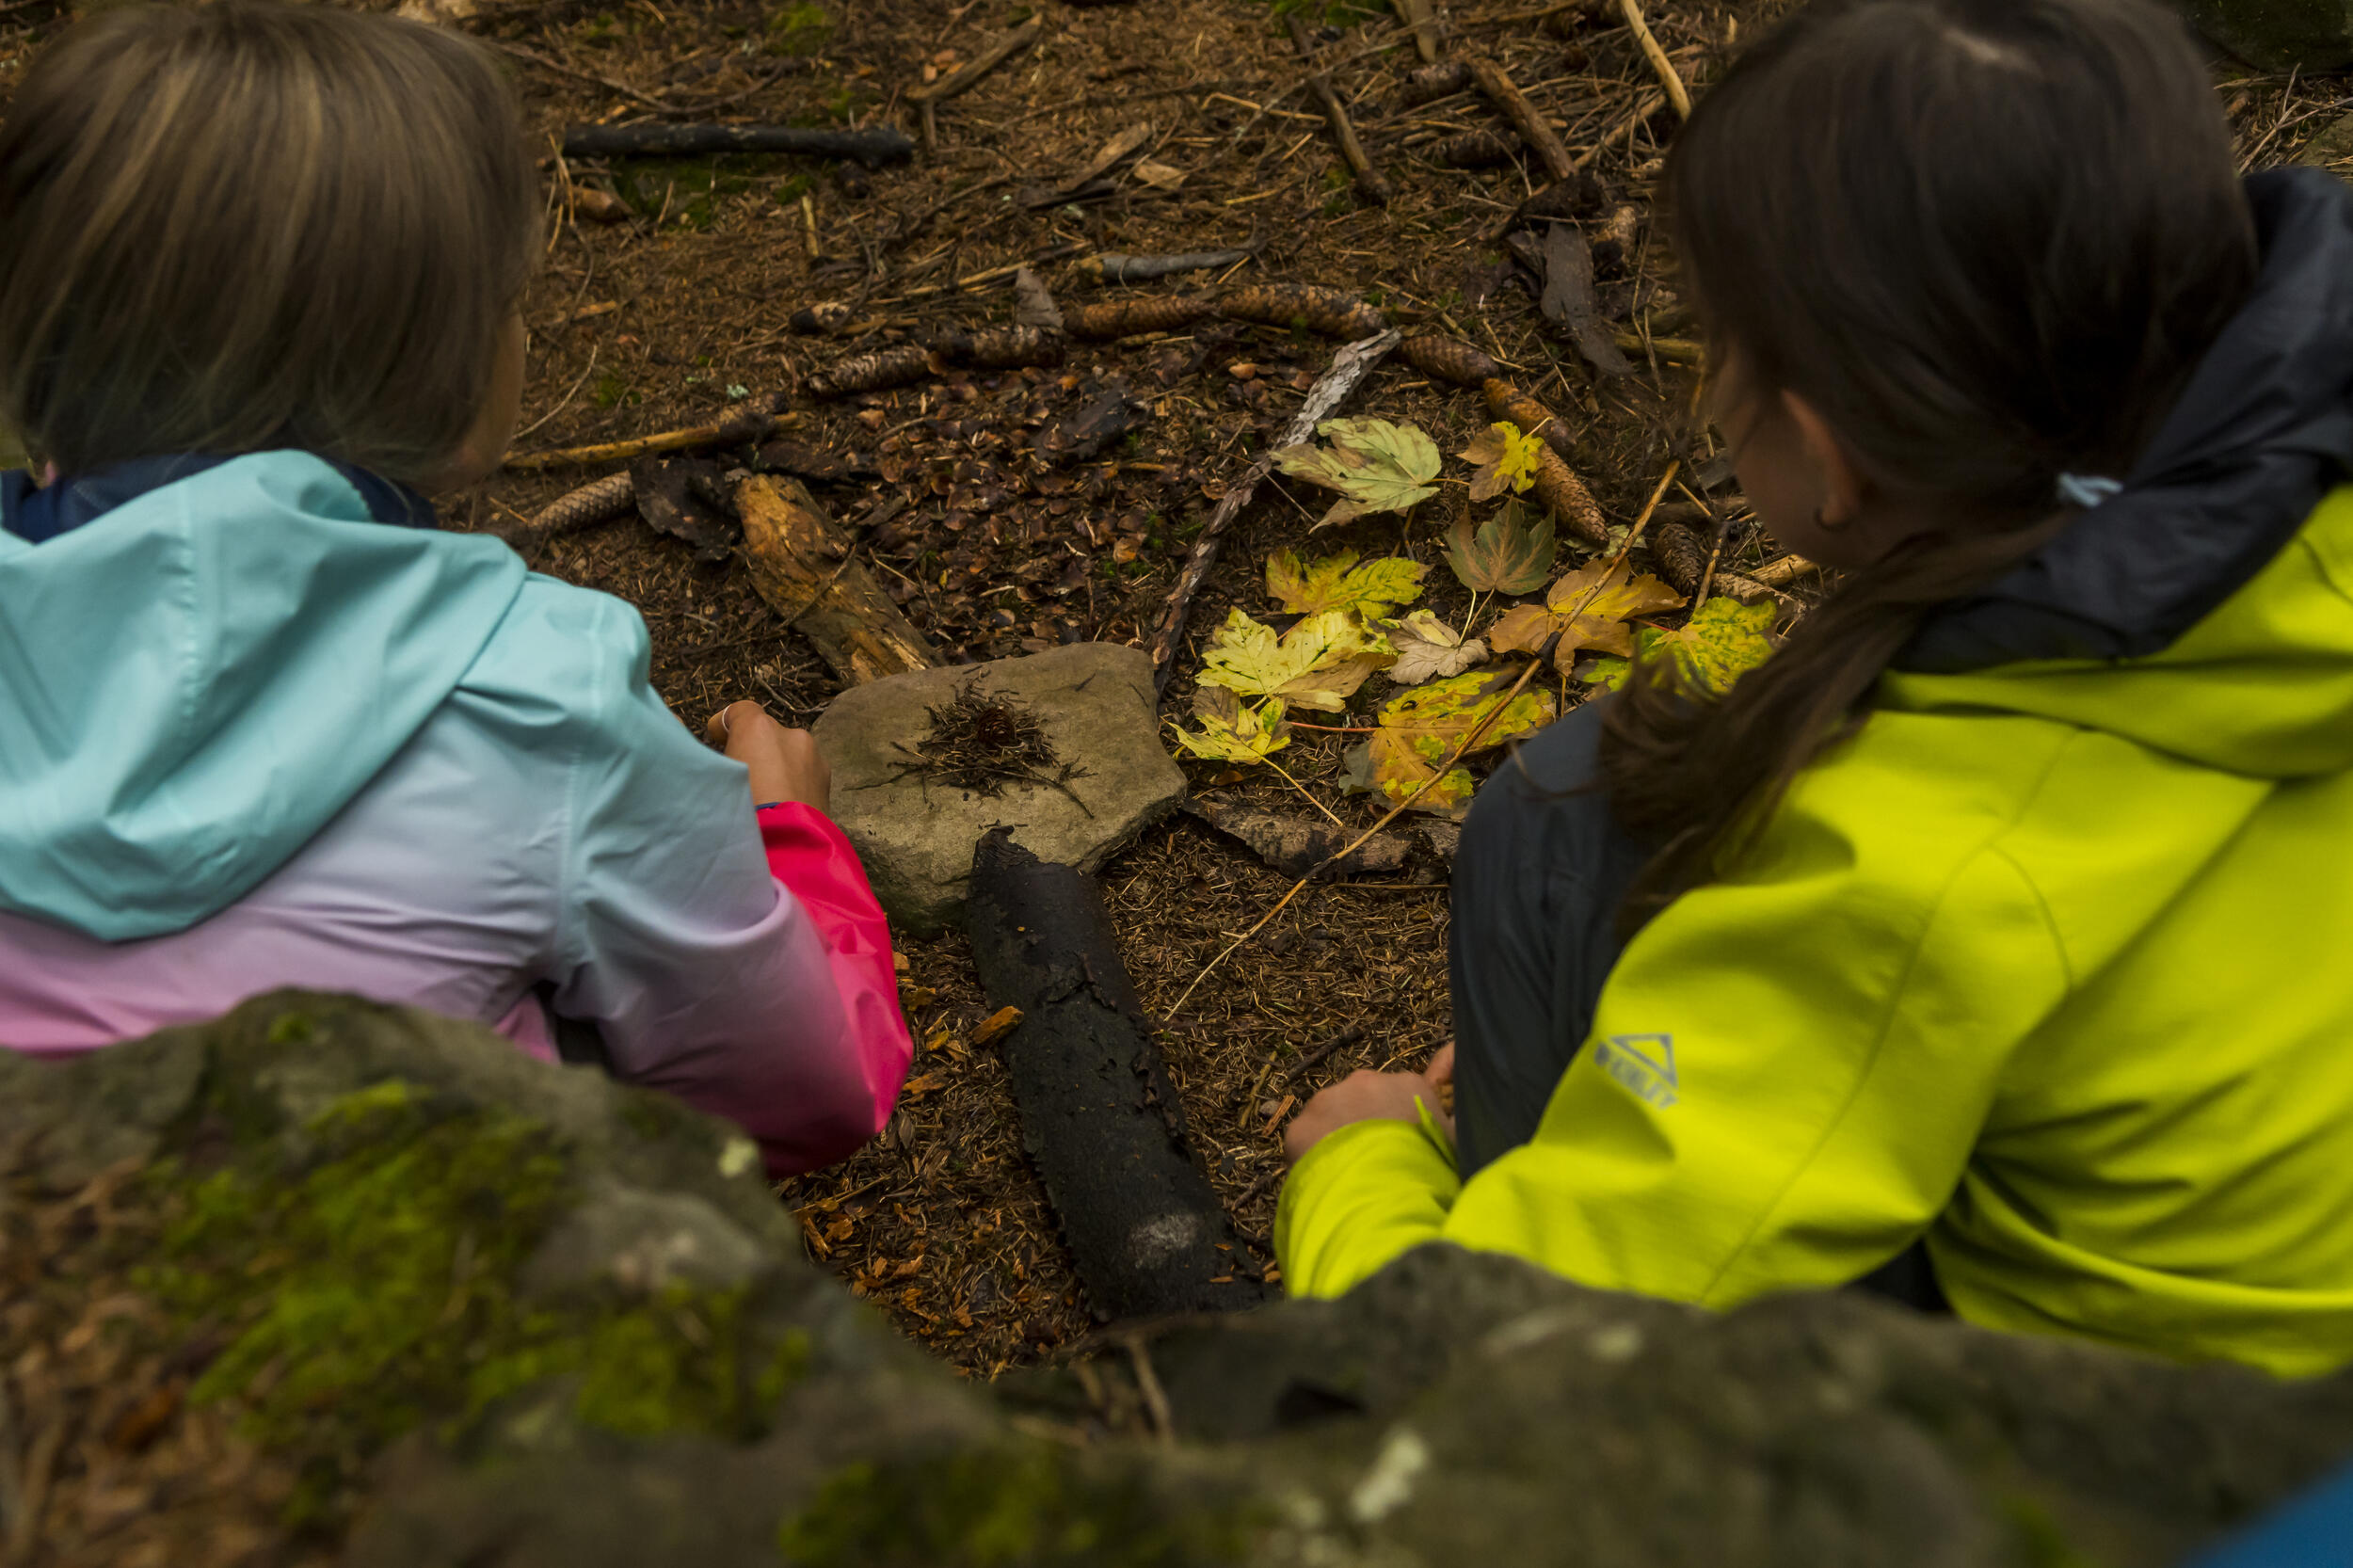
x=1350, y=625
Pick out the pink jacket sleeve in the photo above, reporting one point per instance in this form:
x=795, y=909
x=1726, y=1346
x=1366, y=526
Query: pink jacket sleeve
x=813, y=859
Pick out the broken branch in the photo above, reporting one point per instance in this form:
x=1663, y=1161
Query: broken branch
x=748, y=426
x=1678, y=94
x=1369, y=185
x=1349, y=367
x=876, y=145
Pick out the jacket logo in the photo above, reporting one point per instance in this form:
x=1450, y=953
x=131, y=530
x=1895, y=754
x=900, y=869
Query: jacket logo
x=1643, y=1065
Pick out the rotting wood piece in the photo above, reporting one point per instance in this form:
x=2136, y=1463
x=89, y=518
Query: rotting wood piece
x=1567, y=300
x=875, y=146
x=1506, y=401
x=1297, y=844
x=744, y=426
x=1415, y=15
x=1533, y=128
x=1100, y=1117
x=1128, y=318
x=1330, y=311
x=1370, y=186
x=801, y=564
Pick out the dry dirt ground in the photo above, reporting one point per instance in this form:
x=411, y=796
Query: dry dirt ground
x=678, y=312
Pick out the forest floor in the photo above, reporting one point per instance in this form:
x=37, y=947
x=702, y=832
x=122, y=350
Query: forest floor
x=678, y=312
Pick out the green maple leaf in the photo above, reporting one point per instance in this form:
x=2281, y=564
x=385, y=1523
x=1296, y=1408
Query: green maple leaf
x=1316, y=664
x=1232, y=732
x=1376, y=466
x=1373, y=590
x=1510, y=554
x=1420, y=729
x=1724, y=639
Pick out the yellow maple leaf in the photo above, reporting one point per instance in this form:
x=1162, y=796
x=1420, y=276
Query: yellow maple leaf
x=1231, y=731
x=1589, y=608
x=1373, y=590
x=1316, y=664
x=1506, y=459
x=1420, y=730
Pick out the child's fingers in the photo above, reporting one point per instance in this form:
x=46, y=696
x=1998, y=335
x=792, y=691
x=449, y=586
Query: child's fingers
x=1441, y=1068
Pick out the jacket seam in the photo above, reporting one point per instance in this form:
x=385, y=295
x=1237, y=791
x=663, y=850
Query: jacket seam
x=1887, y=1017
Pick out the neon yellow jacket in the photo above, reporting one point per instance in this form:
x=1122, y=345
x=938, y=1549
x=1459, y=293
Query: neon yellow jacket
x=2052, y=962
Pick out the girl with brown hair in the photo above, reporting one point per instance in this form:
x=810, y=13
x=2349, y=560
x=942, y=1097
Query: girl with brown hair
x=1993, y=932
x=261, y=724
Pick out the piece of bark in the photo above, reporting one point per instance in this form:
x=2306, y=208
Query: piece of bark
x=749, y=425
x=1348, y=368
x=1533, y=128
x=664, y=500
x=875, y=146
x=1578, y=196
x=1568, y=303
x=1448, y=358
x=1506, y=401
x=1117, y=150
x=1370, y=186
x=801, y=564
x=1296, y=845
x=1329, y=311
x=1475, y=149
x=817, y=464
x=1128, y=318
x=1100, y=1118
x=1780, y=573
x=1111, y=267
x=1084, y=435
x=1415, y=15
x=1034, y=302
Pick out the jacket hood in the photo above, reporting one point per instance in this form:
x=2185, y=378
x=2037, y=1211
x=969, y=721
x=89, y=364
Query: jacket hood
x=199, y=669
x=2199, y=610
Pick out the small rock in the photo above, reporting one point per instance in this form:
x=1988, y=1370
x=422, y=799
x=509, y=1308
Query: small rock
x=1094, y=705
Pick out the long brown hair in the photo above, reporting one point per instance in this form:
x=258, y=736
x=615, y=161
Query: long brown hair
x=244, y=225
x=1988, y=240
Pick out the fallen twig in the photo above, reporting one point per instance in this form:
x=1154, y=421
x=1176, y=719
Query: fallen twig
x=745, y=425
x=875, y=145
x=967, y=75
x=1111, y=267
x=1526, y=117
x=1678, y=94
x=1349, y=367
x=1369, y=185
x=1468, y=744
x=1625, y=127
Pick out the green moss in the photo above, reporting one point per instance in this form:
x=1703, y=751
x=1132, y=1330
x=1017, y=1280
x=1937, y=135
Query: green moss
x=2042, y=1542
x=369, y=1292
x=612, y=391
x=993, y=1508
x=799, y=28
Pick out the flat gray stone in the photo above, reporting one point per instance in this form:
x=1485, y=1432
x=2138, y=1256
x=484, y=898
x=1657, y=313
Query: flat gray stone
x=1095, y=706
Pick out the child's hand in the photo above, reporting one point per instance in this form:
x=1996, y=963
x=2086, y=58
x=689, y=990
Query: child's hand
x=1364, y=1094
x=784, y=762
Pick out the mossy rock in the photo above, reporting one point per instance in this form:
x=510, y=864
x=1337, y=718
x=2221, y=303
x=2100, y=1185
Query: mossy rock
x=489, y=1311
x=2279, y=35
